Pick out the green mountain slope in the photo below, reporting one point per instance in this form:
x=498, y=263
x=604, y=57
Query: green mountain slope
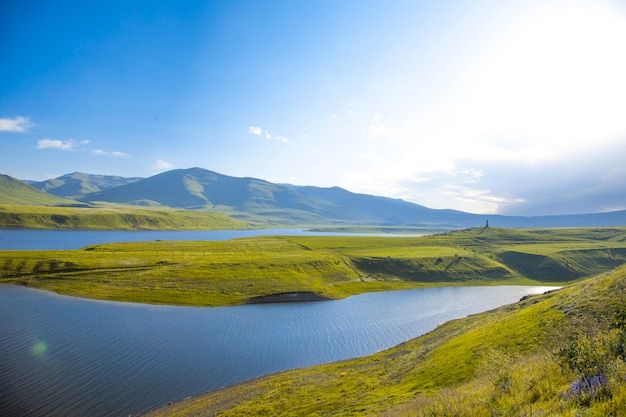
x=78, y=184
x=198, y=188
x=252, y=198
x=558, y=354
x=14, y=191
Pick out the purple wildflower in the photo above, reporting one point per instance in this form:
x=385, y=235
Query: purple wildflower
x=589, y=388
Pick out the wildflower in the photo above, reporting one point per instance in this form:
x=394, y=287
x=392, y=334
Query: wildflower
x=588, y=388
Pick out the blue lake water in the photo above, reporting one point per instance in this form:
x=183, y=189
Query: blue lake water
x=31, y=239
x=63, y=356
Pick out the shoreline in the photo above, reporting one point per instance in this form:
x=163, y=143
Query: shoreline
x=288, y=297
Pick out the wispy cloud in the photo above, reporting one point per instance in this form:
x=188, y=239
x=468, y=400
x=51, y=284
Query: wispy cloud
x=257, y=131
x=381, y=128
x=77, y=146
x=16, y=124
x=64, y=145
x=110, y=153
x=161, y=165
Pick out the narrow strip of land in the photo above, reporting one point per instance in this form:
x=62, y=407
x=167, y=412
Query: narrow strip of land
x=218, y=273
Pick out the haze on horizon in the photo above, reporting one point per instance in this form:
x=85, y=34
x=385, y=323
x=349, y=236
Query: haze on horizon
x=512, y=107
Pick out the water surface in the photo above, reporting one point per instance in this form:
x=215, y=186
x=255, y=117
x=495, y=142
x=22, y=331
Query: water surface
x=37, y=239
x=63, y=356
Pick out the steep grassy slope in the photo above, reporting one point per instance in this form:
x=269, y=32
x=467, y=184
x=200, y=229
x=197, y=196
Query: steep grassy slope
x=560, y=354
x=111, y=217
x=14, y=191
x=233, y=272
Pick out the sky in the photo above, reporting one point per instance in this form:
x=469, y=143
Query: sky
x=485, y=106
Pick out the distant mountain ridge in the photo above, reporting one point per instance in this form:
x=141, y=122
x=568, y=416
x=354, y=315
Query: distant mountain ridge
x=249, y=198
x=252, y=199
x=78, y=184
x=197, y=188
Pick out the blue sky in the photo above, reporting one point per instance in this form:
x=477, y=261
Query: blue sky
x=513, y=107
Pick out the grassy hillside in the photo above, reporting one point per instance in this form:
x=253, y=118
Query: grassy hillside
x=559, y=354
x=14, y=191
x=246, y=198
x=113, y=217
x=232, y=272
x=78, y=184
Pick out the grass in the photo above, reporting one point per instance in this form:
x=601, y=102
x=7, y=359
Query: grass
x=14, y=191
x=558, y=354
x=216, y=273
x=112, y=217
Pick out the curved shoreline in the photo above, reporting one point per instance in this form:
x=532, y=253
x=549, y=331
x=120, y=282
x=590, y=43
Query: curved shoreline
x=288, y=297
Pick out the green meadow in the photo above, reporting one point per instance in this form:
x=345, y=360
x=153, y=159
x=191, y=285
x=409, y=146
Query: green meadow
x=217, y=273
x=113, y=217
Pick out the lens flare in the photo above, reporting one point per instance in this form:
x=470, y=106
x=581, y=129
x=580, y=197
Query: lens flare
x=39, y=348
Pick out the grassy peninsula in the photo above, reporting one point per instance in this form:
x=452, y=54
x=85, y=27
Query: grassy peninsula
x=210, y=273
x=559, y=354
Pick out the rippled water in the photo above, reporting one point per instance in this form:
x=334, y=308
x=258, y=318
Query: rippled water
x=62, y=356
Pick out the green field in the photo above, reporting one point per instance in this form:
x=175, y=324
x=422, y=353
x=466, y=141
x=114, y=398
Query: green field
x=558, y=354
x=216, y=273
x=114, y=217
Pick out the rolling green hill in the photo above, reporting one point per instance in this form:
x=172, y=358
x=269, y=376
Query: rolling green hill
x=14, y=191
x=23, y=206
x=245, y=198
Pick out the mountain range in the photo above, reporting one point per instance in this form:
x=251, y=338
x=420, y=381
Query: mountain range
x=78, y=184
x=270, y=203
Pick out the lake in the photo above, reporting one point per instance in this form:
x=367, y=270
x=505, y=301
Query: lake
x=63, y=356
x=37, y=239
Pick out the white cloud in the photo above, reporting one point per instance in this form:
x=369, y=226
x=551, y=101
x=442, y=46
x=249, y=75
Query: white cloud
x=77, y=146
x=162, y=165
x=17, y=124
x=544, y=89
x=381, y=128
x=64, y=145
x=109, y=153
x=257, y=131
